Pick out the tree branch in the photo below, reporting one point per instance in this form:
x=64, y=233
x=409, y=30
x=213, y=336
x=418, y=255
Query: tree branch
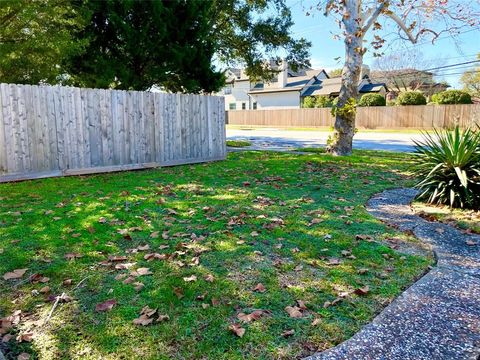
x=402, y=26
x=373, y=16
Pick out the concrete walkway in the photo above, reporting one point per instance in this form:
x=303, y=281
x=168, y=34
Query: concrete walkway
x=438, y=317
x=281, y=139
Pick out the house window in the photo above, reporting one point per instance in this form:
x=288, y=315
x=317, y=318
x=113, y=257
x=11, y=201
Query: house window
x=233, y=106
x=254, y=106
x=227, y=90
x=244, y=106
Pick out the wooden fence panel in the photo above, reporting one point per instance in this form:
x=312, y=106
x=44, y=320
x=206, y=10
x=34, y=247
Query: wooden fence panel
x=381, y=117
x=50, y=131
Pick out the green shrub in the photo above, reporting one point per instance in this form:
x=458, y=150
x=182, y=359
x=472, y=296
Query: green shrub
x=372, y=100
x=324, y=101
x=309, y=102
x=449, y=168
x=391, y=103
x=452, y=97
x=411, y=98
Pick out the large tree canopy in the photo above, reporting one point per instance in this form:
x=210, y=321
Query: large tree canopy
x=251, y=33
x=178, y=45
x=35, y=39
x=138, y=44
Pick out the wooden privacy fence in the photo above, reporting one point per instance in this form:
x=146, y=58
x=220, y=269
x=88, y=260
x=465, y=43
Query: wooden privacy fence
x=380, y=117
x=52, y=131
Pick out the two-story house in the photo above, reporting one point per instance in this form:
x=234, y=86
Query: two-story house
x=286, y=90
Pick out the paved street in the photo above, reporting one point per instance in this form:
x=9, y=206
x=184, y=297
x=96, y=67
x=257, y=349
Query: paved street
x=281, y=139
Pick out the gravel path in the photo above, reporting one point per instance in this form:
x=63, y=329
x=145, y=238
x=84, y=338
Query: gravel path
x=438, y=317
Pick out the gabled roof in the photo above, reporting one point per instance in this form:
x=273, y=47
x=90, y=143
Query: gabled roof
x=294, y=83
x=332, y=87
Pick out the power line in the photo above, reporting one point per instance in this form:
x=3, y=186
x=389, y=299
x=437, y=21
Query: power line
x=459, y=73
x=435, y=68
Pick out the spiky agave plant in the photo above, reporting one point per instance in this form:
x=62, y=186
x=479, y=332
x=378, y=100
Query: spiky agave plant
x=448, y=165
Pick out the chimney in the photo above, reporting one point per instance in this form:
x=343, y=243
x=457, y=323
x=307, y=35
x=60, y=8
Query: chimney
x=365, y=71
x=283, y=74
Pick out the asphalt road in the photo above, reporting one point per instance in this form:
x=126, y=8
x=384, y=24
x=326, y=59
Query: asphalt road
x=281, y=139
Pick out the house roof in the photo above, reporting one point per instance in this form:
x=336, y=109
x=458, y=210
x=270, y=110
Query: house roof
x=372, y=88
x=332, y=86
x=294, y=83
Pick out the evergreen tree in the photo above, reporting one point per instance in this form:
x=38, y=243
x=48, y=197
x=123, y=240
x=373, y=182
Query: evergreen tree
x=135, y=45
x=36, y=39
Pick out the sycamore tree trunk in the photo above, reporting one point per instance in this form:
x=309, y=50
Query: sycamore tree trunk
x=344, y=128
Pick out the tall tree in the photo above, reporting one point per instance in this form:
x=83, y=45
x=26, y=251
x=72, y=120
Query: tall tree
x=173, y=43
x=36, y=39
x=414, y=20
x=252, y=33
x=471, y=80
x=135, y=45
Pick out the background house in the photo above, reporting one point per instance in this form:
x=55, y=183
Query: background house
x=287, y=89
x=408, y=79
x=331, y=86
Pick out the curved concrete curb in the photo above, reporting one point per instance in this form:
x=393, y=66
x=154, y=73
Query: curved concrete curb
x=438, y=317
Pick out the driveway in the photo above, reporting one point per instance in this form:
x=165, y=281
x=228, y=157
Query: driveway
x=281, y=139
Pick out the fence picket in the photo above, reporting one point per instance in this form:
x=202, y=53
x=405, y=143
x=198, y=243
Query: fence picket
x=52, y=131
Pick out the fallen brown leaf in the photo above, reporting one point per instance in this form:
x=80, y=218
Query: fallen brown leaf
x=44, y=290
x=72, y=256
x=27, y=337
x=294, y=311
x=288, y=333
x=259, y=288
x=106, y=306
x=23, y=356
x=255, y=315
x=178, y=292
x=363, y=290
x=190, y=278
x=15, y=274
x=138, y=286
x=143, y=320
x=237, y=329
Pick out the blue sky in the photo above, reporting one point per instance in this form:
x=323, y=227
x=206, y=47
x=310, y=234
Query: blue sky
x=319, y=30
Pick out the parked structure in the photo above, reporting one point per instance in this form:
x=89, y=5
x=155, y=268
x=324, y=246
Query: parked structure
x=287, y=89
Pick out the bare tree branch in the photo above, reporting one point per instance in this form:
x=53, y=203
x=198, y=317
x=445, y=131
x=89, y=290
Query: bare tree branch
x=402, y=26
x=373, y=16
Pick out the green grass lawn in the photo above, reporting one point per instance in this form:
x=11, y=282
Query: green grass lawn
x=238, y=143
x=208, y=235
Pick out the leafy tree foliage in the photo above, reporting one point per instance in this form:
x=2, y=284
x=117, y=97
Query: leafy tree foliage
x=309, y=102
x=452, y=97
x=250, y=33
x=36, y=39
x=335, y=72
x=411, y=98
x=319, y=101
x=135, y=45
x=325, y=101
x=372, y=100
x=471, y=80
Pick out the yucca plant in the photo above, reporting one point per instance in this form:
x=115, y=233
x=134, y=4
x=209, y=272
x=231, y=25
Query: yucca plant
x=448, y=165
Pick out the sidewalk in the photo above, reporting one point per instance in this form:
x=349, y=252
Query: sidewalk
x=438, y=317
